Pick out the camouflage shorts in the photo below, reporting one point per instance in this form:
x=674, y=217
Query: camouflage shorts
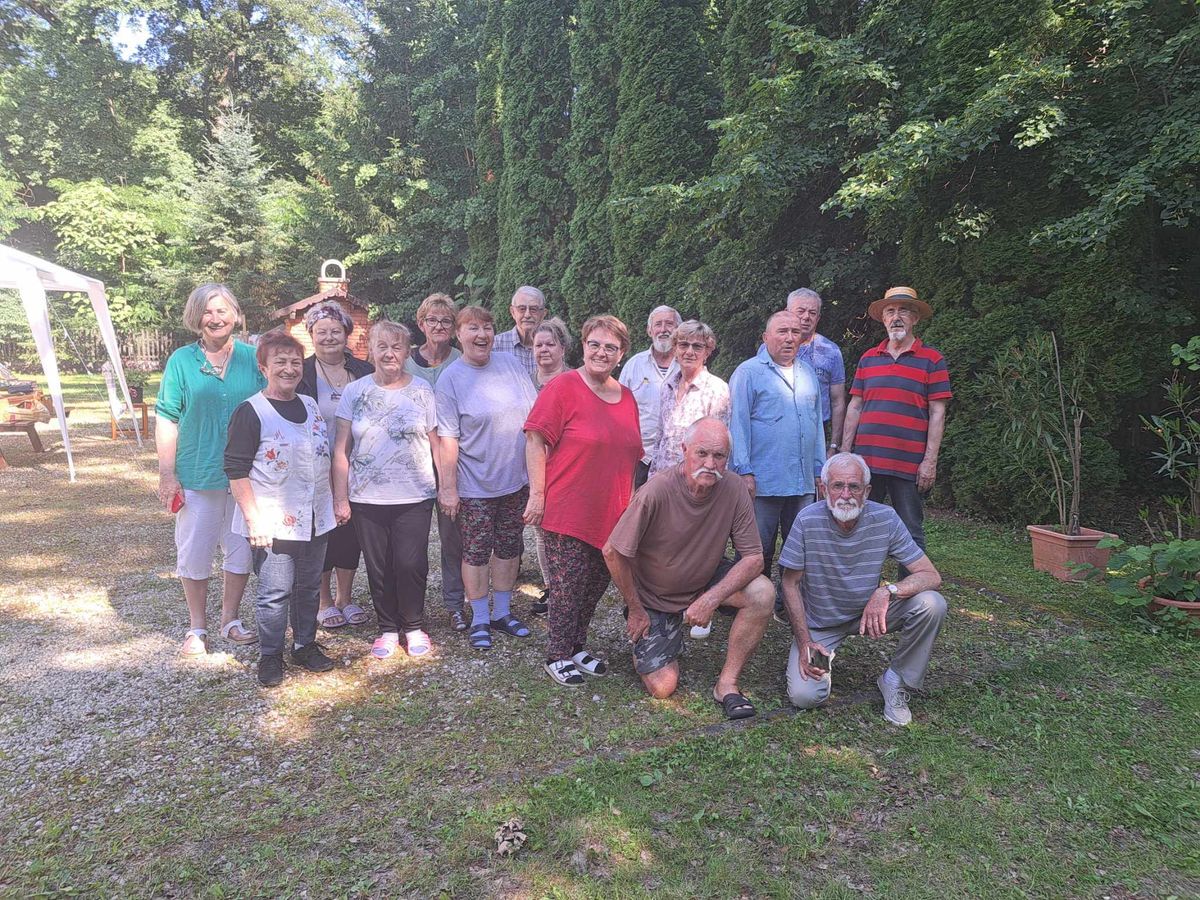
x=661, y=645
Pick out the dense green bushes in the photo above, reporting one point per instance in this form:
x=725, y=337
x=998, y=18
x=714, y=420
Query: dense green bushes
x=1029, y=166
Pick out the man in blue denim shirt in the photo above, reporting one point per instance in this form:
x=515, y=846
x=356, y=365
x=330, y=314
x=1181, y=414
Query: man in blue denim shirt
x=778, y=436
x=826, y=359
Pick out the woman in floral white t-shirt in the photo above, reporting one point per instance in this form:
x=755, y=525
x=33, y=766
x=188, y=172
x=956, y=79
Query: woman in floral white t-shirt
x=383, y=482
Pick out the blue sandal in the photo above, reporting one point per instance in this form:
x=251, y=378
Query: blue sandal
x=510, y=624
x=481, y=637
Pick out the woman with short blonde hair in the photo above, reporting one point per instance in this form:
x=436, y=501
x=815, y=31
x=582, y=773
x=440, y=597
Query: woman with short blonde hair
x=202, y=383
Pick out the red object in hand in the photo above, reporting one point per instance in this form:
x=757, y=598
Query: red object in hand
x=177, y=501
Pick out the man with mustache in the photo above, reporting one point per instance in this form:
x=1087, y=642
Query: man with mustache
x=666, y=556
x=897, y=411
x=645, y=373
x=528, y=308
x=778, y=435
x=831, y=567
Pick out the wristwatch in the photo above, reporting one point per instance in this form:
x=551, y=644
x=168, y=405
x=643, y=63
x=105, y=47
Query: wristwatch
x=833, y=446
x=892, y=589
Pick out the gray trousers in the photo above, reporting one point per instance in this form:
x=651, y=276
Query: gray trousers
x=918, y=619
x=451, y=540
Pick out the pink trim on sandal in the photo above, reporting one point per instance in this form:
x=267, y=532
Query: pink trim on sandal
x=385, y=645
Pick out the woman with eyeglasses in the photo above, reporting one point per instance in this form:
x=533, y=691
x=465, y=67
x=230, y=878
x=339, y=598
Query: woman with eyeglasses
x=435, y=317
x=327, y=374
x=689, y=395
x=201, y=386
x=582, y=442
x=550, y=340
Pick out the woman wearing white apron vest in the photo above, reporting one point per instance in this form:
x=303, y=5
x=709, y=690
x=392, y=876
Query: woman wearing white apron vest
x=277, y=462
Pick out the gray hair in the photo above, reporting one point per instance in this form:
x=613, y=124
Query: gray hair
x=689, y=433
x=804, y=294
x=844, y=457
x=693, y=328
x=531, y=291
x=386, y=327
x=197, y=302
x=557, y=329
x=661, y=309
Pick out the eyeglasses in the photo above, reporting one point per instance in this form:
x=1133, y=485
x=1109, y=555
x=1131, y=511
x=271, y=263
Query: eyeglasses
x=853, y=487
x=688, y=345
x=528, y=309
x=607, y=349
x=444, y=323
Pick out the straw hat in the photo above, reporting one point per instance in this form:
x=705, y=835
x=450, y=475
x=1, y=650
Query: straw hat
x=905, y=295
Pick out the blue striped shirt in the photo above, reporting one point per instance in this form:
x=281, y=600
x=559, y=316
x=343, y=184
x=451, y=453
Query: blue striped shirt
x=841, y=570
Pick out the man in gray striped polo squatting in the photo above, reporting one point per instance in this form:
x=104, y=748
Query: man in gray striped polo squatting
x=831, y=567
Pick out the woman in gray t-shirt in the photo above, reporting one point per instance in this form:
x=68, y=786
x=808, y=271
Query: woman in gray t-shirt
x=482, y=401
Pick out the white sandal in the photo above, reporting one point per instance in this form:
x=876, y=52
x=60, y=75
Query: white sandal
x=248, y=636
x=195, y=643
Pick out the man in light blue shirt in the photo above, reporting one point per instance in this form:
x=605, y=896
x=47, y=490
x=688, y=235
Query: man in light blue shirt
x=778, y=436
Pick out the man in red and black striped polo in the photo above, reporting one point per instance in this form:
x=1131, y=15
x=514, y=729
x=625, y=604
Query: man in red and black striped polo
x=897, y=411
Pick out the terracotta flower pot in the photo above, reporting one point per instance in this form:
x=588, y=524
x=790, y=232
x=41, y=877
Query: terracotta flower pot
x=1056, y=553
x=1189, y=607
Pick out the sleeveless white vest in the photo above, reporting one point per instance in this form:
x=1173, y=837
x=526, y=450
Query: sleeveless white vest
x=290, y=474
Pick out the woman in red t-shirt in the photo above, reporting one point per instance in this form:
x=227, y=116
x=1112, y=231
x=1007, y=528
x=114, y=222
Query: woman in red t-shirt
x=582, y=442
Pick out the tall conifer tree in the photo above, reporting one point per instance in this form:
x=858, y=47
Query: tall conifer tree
x=665, y=98
x=535, y=203
x=587, y=283
x=483, y=236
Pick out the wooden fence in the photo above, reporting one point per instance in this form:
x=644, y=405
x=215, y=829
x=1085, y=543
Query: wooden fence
x=82, y=350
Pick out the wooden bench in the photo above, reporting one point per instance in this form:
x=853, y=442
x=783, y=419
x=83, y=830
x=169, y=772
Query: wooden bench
x=22, y=413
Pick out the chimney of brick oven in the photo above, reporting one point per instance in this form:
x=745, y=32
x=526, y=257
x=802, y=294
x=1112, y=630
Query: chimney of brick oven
x=325, y=282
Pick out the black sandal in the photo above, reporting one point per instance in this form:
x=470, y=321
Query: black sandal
x=510, y=624
x=736, y=706
x=481, y=637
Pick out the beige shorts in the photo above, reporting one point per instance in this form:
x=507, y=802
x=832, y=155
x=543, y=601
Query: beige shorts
x=205, y=520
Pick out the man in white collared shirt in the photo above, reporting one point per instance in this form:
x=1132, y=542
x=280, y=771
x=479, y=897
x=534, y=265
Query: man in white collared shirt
x=645, y=373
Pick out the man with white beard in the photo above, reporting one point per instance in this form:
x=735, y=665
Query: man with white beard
x=831, y=567
x=645, y=373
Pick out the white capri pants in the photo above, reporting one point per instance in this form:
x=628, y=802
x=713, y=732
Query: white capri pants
x=205, y=520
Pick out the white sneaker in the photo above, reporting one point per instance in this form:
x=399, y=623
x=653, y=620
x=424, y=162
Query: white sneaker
x=895, y=703
x=700, y=632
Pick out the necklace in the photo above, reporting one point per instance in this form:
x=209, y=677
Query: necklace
x=215, y=368
x=335, y=384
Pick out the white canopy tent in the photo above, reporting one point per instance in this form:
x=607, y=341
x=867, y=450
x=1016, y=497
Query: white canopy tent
x=32, y=277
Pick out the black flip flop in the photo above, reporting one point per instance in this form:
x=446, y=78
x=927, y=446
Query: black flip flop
x=510, y=624
x=736, y=706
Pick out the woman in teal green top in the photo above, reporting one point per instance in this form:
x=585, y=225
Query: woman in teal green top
x=201, y=386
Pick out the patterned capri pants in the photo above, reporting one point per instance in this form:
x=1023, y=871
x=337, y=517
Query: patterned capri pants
x=577, y=577
x=492, y=525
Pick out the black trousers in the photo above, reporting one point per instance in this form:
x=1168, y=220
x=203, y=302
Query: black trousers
x=907, y=502
x=395, y=547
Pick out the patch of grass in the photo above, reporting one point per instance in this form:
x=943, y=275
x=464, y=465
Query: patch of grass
x=1055, y=754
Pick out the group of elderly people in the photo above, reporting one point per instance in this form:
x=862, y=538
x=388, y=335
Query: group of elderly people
x=298, y=466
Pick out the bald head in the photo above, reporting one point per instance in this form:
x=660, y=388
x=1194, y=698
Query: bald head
x=783, y=337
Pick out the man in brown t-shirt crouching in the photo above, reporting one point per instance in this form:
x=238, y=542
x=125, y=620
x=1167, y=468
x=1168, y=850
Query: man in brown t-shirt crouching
x=667, y=558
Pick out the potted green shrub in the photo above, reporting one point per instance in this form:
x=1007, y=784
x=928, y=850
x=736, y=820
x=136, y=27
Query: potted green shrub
x=137, y=379
x=1161, y=578
x=1046, y=406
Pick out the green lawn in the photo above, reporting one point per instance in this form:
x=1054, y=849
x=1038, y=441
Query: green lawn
x=1055, y=755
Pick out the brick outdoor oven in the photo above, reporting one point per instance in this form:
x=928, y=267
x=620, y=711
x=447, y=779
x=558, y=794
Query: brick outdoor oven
x=335, y=289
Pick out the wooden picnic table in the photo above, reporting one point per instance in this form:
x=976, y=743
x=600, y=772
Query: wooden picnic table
x=21, y=413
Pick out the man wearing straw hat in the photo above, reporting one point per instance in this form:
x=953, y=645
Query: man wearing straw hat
x=897, y=410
